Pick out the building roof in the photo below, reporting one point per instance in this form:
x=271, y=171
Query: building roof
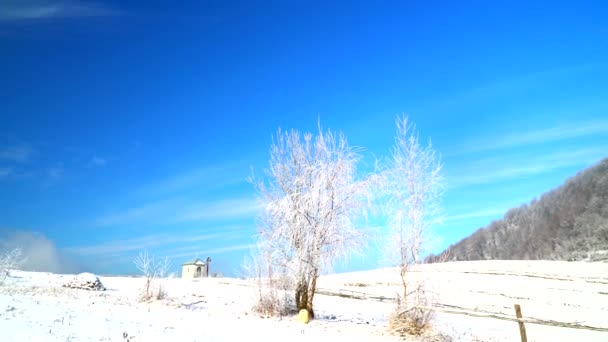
x=195, y=261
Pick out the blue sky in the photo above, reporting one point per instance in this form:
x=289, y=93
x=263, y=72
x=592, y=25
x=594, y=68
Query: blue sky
x=127, y=125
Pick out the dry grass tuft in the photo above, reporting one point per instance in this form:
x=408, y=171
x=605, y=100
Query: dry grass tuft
x=273, y=302
x=413, y=322
x=153, y=272
x=150, y=292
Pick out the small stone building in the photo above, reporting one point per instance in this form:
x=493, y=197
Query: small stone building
x=196, y=268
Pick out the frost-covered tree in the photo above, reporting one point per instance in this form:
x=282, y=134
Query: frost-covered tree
x=569, y=222
x=152, y=271
x=312, y=198
x=10, y=260
x=414, y=187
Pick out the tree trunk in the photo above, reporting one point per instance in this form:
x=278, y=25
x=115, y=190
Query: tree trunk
x=301, y=295
x=311, y=295
x=403, y=274
x=304, y=296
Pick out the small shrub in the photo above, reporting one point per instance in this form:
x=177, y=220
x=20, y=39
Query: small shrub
x=10, y=260
x=413, y=321
x=161, y=293
x=272, y=296
x=268, y=305
x=153, y=272
x=271, y=302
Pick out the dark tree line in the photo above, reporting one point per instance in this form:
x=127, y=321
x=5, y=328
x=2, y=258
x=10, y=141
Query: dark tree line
x=567, y=223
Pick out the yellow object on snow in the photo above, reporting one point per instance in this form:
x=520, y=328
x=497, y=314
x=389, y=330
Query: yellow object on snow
x=303, y=316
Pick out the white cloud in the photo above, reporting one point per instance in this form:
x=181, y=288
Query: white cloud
x=178, y=210
x=475, y=214
x=35, y=9
x=29, y=12
x=538, y=136
x=519, y=84
x=43, y=176
x=176, y=256
x=98, y=161
x=5, y=172
x=54, y=173
x=151, y=241
x=509, y=168
x=208, y=176
x=146, y=213
x=556, y=133
x=16, y=153
x=213, y=251
x=224, y=209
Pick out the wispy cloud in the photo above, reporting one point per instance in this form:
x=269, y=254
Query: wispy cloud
x=98, y=161
x=508, y=168
x=146, y=213
x=475, y=214
x=19, y=164
x=518, y=84
x=16, y=153
x=231, y=208
x=208, y=176
x=54, y=173
x=41, y=176
x=178, y=210
x=14, y=10
x=48, y=176
x=176, y=256
x=5, y=172
x=538, y=136
x=155, y=241
x=213, y=251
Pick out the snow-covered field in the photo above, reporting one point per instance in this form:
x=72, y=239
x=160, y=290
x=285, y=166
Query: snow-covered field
x=35, y=306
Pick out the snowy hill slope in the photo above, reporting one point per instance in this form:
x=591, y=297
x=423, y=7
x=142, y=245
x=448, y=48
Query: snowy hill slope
x=35, y=306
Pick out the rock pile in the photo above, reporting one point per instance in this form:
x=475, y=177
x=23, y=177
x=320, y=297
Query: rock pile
x=86, y=281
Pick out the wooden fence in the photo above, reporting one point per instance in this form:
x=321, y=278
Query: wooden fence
x=450, y=309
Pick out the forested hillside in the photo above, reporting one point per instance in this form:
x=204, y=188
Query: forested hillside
x=567, y=223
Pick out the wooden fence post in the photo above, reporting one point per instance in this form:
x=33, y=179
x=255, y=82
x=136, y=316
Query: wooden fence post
x=522, y=327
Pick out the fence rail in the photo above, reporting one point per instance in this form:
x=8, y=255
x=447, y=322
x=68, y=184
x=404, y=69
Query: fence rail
x=451, y=309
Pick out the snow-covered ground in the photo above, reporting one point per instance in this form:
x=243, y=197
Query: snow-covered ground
x=36, y=307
